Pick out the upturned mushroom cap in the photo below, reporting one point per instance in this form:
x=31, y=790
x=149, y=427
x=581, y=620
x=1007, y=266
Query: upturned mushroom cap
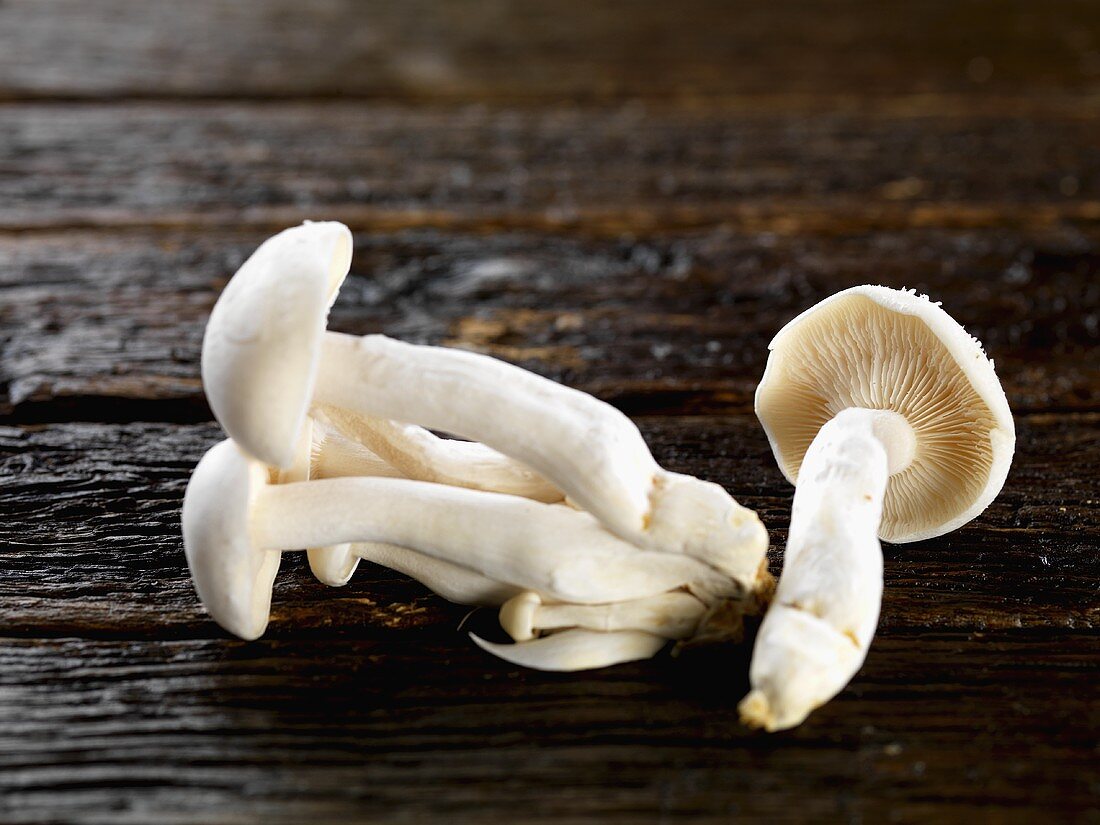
x=263, y=341
x=233, y=577
x=887, y=349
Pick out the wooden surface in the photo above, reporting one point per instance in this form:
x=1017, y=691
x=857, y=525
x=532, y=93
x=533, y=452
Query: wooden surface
x=627, y=197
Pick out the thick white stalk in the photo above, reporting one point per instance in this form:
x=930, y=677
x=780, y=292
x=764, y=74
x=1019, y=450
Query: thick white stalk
x=672, y=615
x=590, y=451
x=420, y=454
x=571, y=650
x=816, y=633
x=550, y=548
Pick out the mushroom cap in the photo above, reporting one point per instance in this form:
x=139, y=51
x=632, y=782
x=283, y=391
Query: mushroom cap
x=886, y=349
x=262, y=346
x=517, y=615
x=233, y=577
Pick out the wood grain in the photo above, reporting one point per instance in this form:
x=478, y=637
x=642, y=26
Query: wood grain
x=631, y=198
x=549, y=49
x=92, y=545
x=609, y=170
x=411, y=730
x=112, y=325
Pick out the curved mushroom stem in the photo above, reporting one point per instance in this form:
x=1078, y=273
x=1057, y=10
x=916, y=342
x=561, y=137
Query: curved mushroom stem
x=592, y=452
x=551, y=548
x=451, y=581
x=419, y=454
x=816, y=633
x=669, y=615
x=331, y=454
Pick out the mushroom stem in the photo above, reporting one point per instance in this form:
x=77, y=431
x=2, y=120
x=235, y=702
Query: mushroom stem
x=672, y=615
x=333, y=455
x=592, y=452
x=451, y=581
x=816, y=633
x=420, y=454
x=549, y=548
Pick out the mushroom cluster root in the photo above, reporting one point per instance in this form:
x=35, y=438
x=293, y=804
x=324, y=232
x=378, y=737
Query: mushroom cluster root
x=540, y=499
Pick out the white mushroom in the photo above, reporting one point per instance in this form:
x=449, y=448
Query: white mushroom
x=451, y=581
x=577, y=649
x=324, y=452
x=420, y=454
x=590, y=450
x=235, y=523
x=893, y=422
x=668, y=615
x=267, y=359
x=260, y=352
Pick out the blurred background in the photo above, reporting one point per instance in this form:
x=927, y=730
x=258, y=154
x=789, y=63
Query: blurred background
x=630, y=197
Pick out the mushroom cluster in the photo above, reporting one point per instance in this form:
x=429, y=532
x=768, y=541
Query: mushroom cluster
x=887, y=417
x=555, y=508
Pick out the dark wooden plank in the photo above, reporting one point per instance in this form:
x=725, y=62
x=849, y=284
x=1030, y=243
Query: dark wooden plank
x=596, y=170
x=109, y=327
x=91, y=545
x=550, y=49
x=937, y=727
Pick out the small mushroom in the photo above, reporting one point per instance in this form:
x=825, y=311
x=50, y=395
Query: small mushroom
x=578, y=649
x=267, y=360
x=451, y=581
x=420, y=454
x=260, y=357
x=672, y=615
x=236, y=522
x=891, y=422
x=324, y=452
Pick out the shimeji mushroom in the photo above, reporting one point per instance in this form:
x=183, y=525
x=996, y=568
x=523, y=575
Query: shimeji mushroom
x=236, y=523
x=324, y=452
x=267, y=360
x=331, y=455
x=451, y=581
x=890, y=421
x=585, y=636
x=672, y=615
x=420, y=454
x=260, y=354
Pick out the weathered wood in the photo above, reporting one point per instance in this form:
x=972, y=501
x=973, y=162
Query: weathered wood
x=549, y=49
x=628, y=197
x=937, y=726
x=92, y=546
x=621, y=169
x=109, y=327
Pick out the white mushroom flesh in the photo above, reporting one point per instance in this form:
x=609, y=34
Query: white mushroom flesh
x=590, y=451
x=420, y=454
x=451, y=581
x=571, y=650
x=549, y=548
x=816, y=633
x=672, y=615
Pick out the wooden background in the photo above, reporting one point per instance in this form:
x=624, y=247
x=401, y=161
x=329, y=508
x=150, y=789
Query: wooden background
x=630, y=197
